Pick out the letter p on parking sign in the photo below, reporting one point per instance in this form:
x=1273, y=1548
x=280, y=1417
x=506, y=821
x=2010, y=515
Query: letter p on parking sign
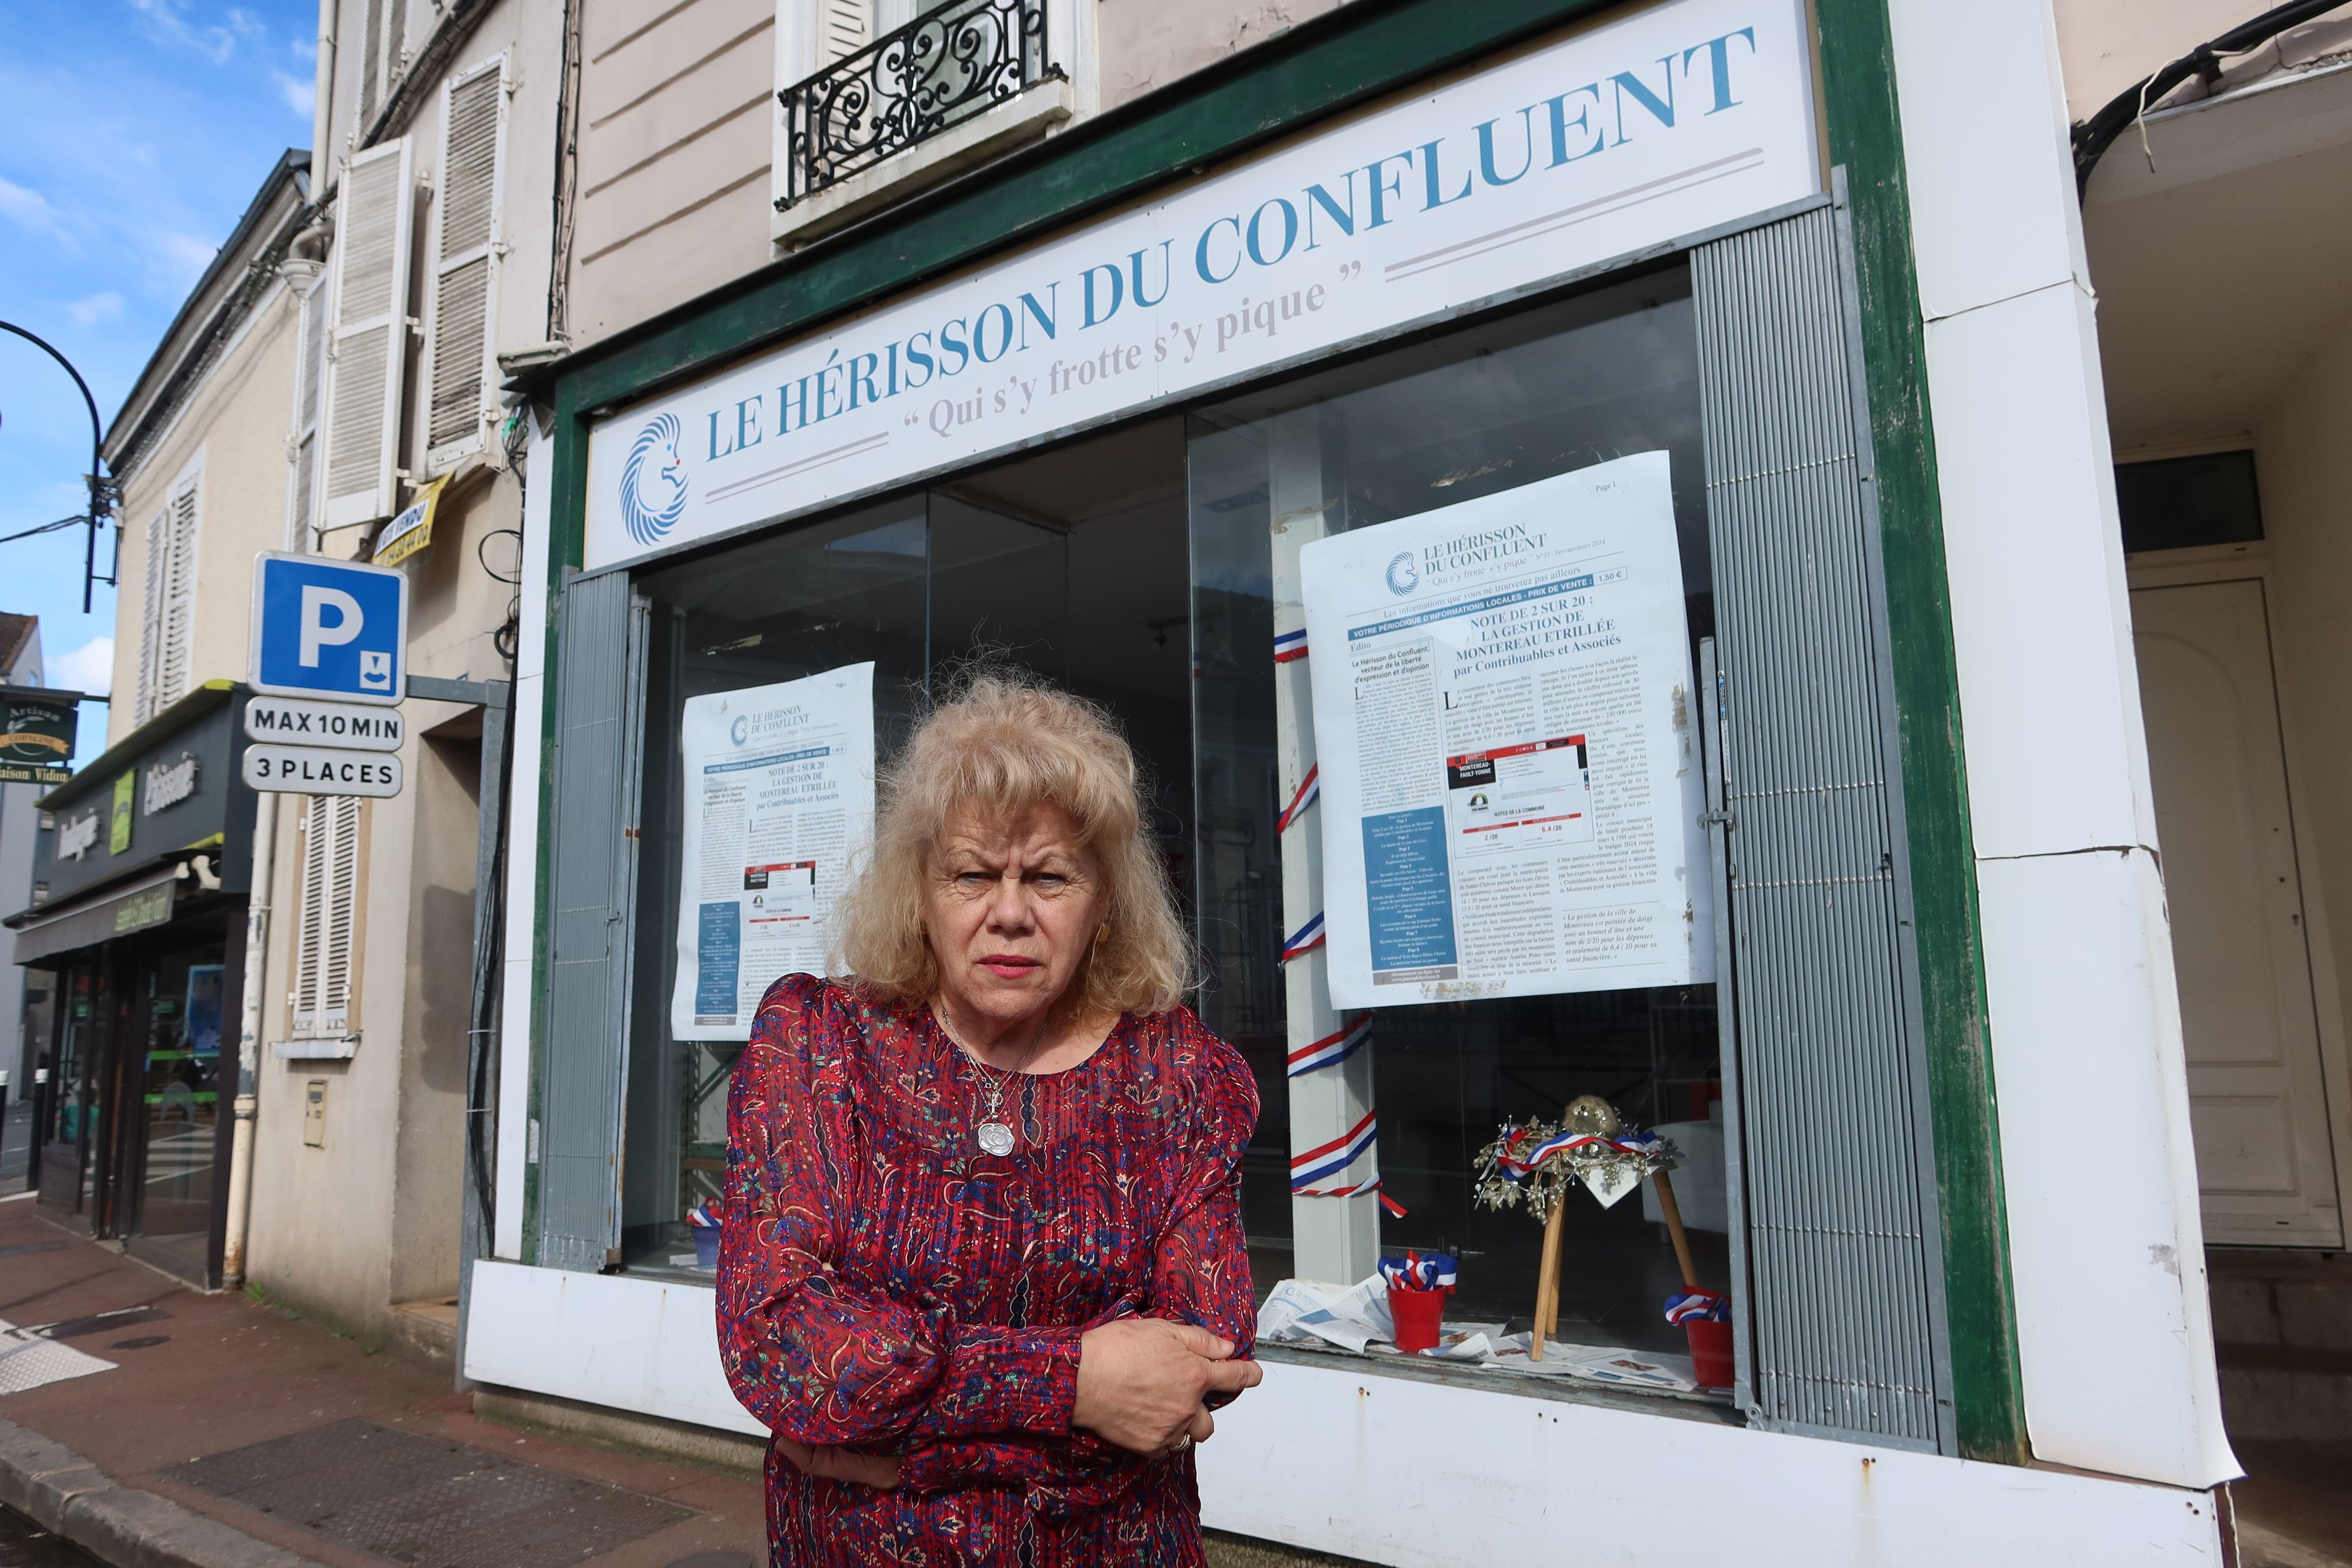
x=328, y=629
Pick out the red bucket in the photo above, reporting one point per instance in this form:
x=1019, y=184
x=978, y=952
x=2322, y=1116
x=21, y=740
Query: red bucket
x=1710, y=1348
x=1417, y=1314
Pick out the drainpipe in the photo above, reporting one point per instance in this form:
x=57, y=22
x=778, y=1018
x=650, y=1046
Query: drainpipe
x=322, y=109
x=249, y=1034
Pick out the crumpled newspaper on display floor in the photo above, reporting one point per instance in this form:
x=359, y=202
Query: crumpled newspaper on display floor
x=1355, y=1319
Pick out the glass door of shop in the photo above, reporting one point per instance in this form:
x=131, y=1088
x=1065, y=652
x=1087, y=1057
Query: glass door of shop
x=69, y=1108
x=179, y=1105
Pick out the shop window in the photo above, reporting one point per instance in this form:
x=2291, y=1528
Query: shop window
x=327, y=918
x=1608, y=374
x=2182, y=503
x=1071, y=563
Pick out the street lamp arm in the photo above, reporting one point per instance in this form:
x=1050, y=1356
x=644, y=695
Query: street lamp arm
x=98, y=487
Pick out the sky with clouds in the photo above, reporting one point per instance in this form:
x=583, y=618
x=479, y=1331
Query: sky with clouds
x=133, y=133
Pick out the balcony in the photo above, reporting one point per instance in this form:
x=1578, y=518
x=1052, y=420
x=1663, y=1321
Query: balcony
x=958, y=84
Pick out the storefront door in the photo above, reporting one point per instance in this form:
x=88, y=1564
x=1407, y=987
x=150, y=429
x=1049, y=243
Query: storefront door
x=179, y=1027
x=2258, y=1095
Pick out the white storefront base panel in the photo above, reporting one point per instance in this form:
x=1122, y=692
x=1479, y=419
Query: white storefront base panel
x=1428, y=1476
x=645, y=1345
x=1425, y=1476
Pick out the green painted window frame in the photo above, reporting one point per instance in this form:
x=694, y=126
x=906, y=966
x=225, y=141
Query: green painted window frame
x=1347, y=57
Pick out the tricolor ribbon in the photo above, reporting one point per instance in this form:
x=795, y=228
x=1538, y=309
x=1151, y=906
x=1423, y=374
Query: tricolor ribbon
x=705, y=1215
x=1288, y=645
x=1305, y=940
x=1419, y=1271
x=1518, y=1165
x=1694, y=1305
x=1334, y=1047
x=1310, y=789
x=1332, y=1159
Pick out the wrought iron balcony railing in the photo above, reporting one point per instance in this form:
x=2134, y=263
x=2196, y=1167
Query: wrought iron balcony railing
x=937, y=71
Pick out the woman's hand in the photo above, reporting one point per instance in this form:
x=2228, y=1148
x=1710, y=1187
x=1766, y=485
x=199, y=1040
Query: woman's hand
x=878, y=1470
x=1142, y=1382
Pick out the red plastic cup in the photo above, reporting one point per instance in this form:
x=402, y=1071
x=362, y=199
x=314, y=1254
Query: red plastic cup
x=1710, y=1348
x=1417, y=1314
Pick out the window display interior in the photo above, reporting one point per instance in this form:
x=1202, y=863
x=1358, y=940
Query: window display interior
x=1135, y=566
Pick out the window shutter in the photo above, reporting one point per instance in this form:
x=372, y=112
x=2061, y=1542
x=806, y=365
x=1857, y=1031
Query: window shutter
x=174, y=655
x=592, y=867
x=371, y=62
x=369, y=343
x=1834, y=1220
x=843, y=27
x=310, y=370
x=150, y=628
x=465, y=262
x=326, y=927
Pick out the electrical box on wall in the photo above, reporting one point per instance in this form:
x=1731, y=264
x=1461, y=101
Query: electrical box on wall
x=314, y=1113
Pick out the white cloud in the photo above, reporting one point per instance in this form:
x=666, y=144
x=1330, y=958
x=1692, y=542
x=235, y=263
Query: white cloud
x=90, y=668
x=182, y=260
x=167, y=23
x=301, y=93
x=96, y=309
x=32, y=210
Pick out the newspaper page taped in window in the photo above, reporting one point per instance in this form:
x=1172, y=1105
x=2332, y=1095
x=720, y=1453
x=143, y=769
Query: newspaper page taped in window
x=1511, y=786
x=779, y=791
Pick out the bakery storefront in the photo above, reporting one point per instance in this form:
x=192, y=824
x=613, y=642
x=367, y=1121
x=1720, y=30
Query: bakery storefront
x=1469, y=503
x=140, y=883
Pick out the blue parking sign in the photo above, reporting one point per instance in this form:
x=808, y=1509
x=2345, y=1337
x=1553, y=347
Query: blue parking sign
x=328, y=629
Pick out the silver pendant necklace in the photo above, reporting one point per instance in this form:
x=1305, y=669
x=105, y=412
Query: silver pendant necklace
x=994, y=1135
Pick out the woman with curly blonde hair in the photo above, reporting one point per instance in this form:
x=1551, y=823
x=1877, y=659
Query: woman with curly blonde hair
x=983, y=1272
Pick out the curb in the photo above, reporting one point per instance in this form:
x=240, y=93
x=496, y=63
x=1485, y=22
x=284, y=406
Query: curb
x=69, y=1497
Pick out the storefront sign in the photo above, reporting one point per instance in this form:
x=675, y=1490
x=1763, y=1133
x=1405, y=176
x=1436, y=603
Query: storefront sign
x=1686, y=116
x=317, y=770
x=1511, y=791
x=77, y=834
x=293, y=721
x=781, y=789
x=140, y=911
x=169, y=784
x=36, y=745
x=118, y=833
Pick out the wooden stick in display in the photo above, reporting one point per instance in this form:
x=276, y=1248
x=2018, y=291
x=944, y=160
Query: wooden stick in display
x=1548, y=1282
x=1673, y=1216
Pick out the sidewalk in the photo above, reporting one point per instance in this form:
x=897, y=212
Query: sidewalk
x=311, y=1448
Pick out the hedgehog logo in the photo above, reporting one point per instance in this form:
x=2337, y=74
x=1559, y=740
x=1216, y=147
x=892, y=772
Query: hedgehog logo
x=653, y=482
x=1402, y=578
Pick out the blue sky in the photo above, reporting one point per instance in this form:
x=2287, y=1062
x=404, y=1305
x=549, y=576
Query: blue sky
x=132, y=135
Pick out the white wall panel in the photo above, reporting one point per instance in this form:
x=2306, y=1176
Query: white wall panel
x=2116, y=1332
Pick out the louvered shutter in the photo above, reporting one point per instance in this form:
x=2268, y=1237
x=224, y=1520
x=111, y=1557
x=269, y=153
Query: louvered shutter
x=326, y=929
x=310, y=371
x=371, y=62
x=173, y=653
x=1835, y=1222
x=369, y=343
x=600, y=686
x=465, y=262
x=842, y=27
x=150, y=628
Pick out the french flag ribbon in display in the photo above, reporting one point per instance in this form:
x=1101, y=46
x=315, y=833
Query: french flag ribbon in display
x=1305, y=940
x=1518, y=1165
x=1332, y=1158
x=1698, y=1306
x=1419, y=1271
x=1334, y=1047
x=1309, y=789
x=1288, y=645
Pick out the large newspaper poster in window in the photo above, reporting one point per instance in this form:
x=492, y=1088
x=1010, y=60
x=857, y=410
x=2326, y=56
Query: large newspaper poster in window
x=779, y=791
x=1511, y=790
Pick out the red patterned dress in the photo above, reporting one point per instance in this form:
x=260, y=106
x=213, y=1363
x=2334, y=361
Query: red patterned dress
x=883, y=1284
